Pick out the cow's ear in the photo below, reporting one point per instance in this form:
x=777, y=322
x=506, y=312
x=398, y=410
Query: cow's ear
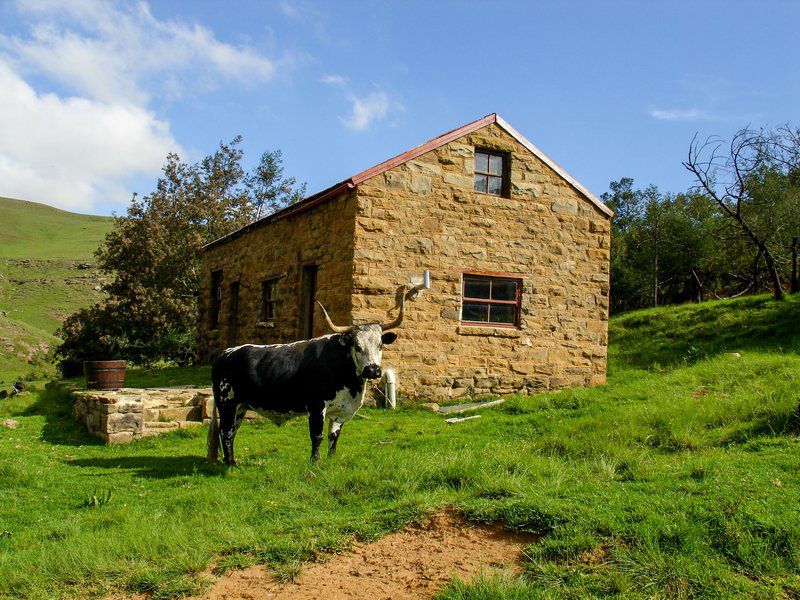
x=389, y=337
x=346, y=339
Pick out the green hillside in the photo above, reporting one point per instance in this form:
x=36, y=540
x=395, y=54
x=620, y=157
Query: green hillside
x=46, y=259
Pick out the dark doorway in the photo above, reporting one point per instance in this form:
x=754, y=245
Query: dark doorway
x=233, y=315
x=309, y=298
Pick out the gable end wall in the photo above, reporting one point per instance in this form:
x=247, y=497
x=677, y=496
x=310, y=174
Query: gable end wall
x=424, y=214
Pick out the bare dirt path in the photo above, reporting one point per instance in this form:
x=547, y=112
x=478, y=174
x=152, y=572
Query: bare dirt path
x=412, y=563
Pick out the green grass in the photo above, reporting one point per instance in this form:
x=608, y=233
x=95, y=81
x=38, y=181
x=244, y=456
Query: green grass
x=36, y=231
x=41, y=282
x=677, y=479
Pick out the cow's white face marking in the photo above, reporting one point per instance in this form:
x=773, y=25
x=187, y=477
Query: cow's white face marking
x=367, y=346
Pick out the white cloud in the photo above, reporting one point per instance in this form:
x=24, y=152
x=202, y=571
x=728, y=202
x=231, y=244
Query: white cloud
x=117, y=52
x=364, y=111
x=678, y=114
x=74, y=152
x=78, y=148
x=334, y=79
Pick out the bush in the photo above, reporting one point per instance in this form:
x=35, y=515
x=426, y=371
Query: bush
x=112, y=331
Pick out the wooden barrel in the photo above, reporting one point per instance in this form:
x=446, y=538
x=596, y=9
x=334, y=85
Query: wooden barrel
x=104, y=374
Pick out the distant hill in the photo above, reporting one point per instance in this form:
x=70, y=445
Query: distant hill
x=47, y=272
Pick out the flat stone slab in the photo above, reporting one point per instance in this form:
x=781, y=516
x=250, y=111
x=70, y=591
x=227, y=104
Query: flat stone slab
x=461, y=419
x=455, y=409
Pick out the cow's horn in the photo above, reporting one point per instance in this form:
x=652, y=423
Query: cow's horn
x=334, y=328
x=399, y=319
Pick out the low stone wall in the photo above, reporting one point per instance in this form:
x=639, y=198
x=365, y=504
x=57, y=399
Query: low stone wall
x=115, y=417
x=121, y=416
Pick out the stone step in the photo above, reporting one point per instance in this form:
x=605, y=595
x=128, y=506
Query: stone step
x=160, y=425
x=177, y=413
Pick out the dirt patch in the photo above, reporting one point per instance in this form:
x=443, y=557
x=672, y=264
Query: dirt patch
x=412, y=563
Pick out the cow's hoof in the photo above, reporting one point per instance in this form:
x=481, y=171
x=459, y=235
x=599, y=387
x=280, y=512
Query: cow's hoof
x=230, y=463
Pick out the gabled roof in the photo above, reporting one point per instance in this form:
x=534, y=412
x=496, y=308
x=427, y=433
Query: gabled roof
x=348, y=184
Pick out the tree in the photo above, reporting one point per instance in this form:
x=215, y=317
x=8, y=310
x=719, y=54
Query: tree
x=741, y=178
x=151, y=257
x=658, y=245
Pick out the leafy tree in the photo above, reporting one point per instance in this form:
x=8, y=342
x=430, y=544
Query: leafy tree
x=151, y=256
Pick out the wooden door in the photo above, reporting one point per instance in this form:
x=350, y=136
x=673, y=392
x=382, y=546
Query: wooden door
x=233, y=315
x=308, y=301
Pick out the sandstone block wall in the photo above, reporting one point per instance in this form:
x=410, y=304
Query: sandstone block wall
x=114, y=417
x=425, y=215
x=322, y=236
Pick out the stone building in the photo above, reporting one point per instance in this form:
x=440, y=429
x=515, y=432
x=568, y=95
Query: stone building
x=517, y=250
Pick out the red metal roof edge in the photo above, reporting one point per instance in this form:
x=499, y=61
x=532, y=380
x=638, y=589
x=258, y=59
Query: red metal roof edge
x=303, y=205
x=333, y=191
x=436, y=142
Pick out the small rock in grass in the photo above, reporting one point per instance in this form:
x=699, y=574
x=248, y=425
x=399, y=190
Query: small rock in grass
x=777, y=483
x=432, y=405
x=3, y=394
x=20, y=386
x=733, y=354
x=10, y=424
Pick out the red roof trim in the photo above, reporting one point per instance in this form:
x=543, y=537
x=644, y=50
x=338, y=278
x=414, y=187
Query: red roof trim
x=443, y=139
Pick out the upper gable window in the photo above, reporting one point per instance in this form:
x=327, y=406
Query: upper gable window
x=490, y=172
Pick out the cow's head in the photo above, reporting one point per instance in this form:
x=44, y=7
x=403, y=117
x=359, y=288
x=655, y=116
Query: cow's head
x=366, y=341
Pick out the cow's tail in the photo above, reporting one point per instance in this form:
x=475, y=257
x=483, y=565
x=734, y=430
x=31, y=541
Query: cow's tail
x=212, y=442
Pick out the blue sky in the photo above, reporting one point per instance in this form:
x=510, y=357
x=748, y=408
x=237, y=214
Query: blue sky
x=94, y=94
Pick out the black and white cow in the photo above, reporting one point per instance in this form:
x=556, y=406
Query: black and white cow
x=325, y=377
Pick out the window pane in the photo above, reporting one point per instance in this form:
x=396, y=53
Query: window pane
x=480, y=183
x=481, y=162
x=269, y=311
x=504, y=290
x=475, y=311
x=476, y=288
x=496, y=185
x=502, y=313
x=496, y=165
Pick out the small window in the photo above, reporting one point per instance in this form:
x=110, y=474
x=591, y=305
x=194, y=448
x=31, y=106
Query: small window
x=216, y=299
x=492, y=300
x=269, y=295
x=490, y=173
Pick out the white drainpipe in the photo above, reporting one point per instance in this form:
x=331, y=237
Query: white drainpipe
x=390, y=388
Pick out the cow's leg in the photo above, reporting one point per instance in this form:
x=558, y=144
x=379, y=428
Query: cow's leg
x=316, y=425
x=334, y=429
x=230, y=417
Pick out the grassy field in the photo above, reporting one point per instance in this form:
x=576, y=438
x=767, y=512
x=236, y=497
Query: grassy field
x=677, y=479
x=43, y=263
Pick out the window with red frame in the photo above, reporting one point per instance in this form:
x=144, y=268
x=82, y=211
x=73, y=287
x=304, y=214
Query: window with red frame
x=491, y=300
